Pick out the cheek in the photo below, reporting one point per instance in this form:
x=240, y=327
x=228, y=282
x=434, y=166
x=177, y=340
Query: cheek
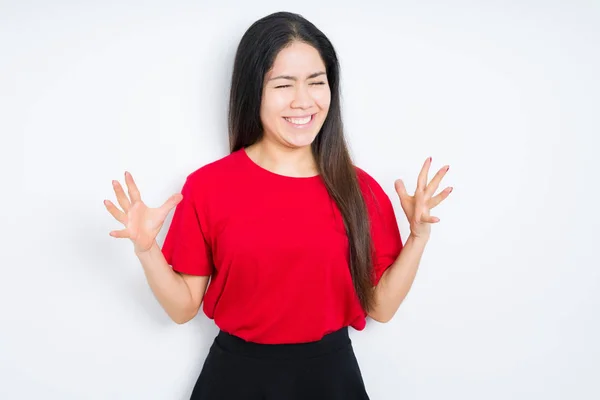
x=270, y=109
x=323, y=99
x=274, y=104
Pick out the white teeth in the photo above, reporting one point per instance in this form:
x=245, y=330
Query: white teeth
x=299, y=121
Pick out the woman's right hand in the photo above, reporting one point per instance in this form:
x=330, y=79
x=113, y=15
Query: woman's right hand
x=141, y=222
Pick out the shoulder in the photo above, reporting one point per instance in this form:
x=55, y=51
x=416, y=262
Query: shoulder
x=208, y=184
x=216, y=172
x=368, y=184
x=375, y=197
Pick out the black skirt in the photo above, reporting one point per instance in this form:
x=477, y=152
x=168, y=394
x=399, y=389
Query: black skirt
x=235, y=369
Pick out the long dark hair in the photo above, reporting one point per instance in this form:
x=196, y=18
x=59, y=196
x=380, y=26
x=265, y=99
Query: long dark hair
x=254, y=58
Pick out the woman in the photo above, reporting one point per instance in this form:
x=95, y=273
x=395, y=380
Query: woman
x=298, y=243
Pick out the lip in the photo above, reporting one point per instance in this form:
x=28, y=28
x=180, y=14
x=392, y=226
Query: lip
x=299, y=116
x=308, y=124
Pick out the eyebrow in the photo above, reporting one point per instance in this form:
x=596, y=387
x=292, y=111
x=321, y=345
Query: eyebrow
x=293, y=78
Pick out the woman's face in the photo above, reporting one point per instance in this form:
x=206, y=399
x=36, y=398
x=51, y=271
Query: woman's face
x=296, y=96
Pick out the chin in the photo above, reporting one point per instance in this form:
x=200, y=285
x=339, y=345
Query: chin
x=299, y=140
x=299, y=137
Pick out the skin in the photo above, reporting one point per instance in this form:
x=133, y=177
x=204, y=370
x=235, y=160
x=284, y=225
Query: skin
x=283, y=149
x=295, y=86
x=179, y=295
x=397, y=280
x=286, y=150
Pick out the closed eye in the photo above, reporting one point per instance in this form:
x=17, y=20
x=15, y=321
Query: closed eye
x=284, y=86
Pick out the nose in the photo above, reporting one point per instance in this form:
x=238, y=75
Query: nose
x=302, y=98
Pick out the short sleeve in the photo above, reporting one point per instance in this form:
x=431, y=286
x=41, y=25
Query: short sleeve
x=186, y=247
x=385, y=234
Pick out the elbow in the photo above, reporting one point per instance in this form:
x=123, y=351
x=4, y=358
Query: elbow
x=381, y=317
x=181, y=318
x=382, y=311
x=382, y=320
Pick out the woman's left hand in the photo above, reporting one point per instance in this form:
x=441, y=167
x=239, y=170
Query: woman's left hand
x=417, y=207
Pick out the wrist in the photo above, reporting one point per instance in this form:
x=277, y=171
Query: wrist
x=419, y=239
x=145, y=252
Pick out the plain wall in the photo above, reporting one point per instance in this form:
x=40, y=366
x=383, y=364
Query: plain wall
x=506, y=301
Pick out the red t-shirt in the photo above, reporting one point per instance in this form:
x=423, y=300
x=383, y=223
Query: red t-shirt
x=275, y=248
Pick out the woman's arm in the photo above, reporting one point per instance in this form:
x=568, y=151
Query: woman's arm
x=397, y=280
x=180, y=295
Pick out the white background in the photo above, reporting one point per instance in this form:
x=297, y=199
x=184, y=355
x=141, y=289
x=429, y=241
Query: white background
x=506, y=301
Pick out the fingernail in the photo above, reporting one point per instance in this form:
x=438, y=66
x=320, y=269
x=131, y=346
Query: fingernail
x=429, y=159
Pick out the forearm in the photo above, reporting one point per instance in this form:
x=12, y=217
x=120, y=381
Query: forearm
x=168, y=286
x=397, y=280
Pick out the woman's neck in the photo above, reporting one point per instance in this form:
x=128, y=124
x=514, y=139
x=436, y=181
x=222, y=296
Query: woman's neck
x=298, y=162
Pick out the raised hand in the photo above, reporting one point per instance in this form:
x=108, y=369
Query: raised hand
x=142, y=223
x=418, y=206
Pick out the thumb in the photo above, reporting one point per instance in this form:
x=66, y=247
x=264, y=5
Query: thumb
x=400, y=188
x=171, y=203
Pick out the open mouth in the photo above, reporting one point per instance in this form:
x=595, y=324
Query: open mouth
x=300, y=122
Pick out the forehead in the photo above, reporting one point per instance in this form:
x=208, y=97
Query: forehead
x=297, y=59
